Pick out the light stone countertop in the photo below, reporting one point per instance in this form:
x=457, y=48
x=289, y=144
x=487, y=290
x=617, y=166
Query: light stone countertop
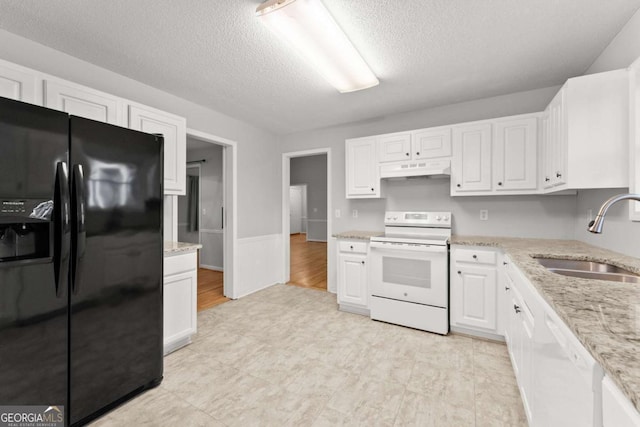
x=604, y=316
x=171, y=248
x=357, y=234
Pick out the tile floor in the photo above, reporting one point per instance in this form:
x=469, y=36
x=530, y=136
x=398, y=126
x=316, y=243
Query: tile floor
x=286, y=356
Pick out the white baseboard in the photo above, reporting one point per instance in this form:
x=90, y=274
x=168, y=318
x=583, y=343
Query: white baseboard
x=259, y=262
x=316, y=240
x=211, y=267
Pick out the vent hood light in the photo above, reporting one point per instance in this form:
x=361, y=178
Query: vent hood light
x=311, y=30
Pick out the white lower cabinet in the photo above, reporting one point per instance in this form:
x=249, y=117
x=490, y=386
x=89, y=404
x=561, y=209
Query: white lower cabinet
x=180, y=300
x=353, y=292
x=617, y=410
x=474, y=296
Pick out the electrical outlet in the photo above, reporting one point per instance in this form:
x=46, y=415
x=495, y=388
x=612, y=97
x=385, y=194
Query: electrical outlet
x=589, y=215
x=337, y=213
x=354, y=213
x=204, y=211
x=315, y=209
x=484, y=214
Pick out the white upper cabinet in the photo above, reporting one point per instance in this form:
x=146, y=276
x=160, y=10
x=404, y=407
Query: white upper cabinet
x=362, y=172
x=589, y=133
x=174, y=131
x=83, y=102
x=634, y=136
x=515, y=151
x=395, y=147
x=431, y=143
x=18, y=83
x=471, y=165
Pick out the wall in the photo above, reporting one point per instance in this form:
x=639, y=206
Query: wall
x=312, y=170
x=619, y=233
x=259, y=176
x=554, y=211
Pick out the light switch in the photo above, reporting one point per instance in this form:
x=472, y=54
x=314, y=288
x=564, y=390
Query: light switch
x=484, y=214
x=337, y=213
x=354, y=213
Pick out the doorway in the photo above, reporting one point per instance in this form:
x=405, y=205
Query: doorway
x=208, y=211
x=306, y=219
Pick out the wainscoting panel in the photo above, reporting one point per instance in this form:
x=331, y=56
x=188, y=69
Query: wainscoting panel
x=260, y=263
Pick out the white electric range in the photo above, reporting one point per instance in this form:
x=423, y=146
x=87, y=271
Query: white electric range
x=409, y=271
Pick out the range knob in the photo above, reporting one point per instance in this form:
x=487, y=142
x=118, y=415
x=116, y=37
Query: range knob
x=438, y=218
x=395, y=218
x=446, y=218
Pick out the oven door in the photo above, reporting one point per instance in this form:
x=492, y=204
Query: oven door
x=410, y=272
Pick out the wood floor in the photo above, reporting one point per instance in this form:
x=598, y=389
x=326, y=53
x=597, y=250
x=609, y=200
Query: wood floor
x=210, y=290
x=308, y=263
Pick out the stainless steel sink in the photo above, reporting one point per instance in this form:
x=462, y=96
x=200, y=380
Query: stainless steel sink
x=589, y=270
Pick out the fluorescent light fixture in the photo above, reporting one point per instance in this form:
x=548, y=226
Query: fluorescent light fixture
x=309, y=27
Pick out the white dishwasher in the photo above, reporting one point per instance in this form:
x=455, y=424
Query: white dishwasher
x=570, y=391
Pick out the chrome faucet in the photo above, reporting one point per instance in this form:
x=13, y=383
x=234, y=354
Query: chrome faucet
x=595, y=226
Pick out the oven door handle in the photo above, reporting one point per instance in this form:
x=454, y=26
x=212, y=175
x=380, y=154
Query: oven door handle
x=408, y=247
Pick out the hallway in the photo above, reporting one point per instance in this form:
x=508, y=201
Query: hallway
x=210, y=289
x=308, y=263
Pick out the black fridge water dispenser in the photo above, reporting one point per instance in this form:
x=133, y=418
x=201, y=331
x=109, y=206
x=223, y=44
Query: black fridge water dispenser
x=25, y=230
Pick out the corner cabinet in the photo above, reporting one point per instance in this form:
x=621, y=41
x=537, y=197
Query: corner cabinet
x=179, y=299
x=362, y=172
x=353, y=266
x=174, y=131
x=474, y=291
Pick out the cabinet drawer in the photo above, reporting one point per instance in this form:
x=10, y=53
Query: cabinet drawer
x=475, y=256
x=175, y=264
x=353, y=247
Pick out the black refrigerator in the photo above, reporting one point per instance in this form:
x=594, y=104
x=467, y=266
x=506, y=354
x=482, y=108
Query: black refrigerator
x=80, y=261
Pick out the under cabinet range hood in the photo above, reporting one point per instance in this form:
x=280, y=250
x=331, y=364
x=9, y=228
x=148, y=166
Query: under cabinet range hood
x=427, y=168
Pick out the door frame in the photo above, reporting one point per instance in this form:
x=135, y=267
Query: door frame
x=286, y=178
x=230, y=203
x=199, y=167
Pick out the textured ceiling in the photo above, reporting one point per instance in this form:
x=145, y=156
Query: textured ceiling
x=425, y=52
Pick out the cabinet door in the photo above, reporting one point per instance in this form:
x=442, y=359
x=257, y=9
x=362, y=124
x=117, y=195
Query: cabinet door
x=83, y=102
x=471, y=166
x=352, y=280
x=174, y=130
x=362, y=172
x=515, y=154
x=473, y=297
x=526, y=359
x=558, y=140
x=431, y=143
x=548, y=165
x=180, y=306
x=395, y=147
x=17, y=82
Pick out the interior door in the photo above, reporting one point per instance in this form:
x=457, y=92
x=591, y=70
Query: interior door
x=295, y=210
x=117, y=265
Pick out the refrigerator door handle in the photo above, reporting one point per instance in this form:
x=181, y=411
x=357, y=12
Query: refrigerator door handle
x=62, y=228
x=80, y=235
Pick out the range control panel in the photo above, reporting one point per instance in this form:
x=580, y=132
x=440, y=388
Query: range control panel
x=418, y=219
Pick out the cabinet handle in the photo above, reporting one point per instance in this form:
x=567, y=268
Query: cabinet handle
x=547, y=179
x=558, y=175
x=516, y=308
x=418, y=153
x=362, y=262
x=459, y=272
x=351, y=247
x=475, y=256
x=506, y=288
x=458, y=185
x=373, y=189
x=500, y=183
x=407, y=154
x=505, y=263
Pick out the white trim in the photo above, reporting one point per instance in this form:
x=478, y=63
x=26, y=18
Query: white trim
x=286, y=177
x=316, y=240
x=230, y=195
x=317, y=220
x=211, y=267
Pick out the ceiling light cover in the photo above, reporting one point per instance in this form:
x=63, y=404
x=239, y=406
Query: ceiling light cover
x=309, y=27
